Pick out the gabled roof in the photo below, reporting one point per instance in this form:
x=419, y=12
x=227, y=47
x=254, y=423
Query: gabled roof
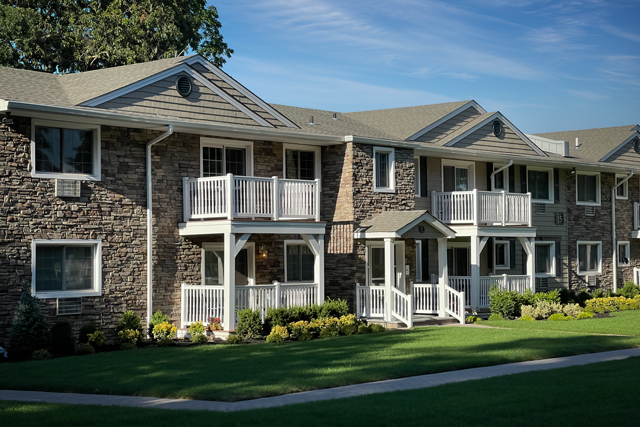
x=396, y=223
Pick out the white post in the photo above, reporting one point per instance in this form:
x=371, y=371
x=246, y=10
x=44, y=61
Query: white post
x=186, y=199
x=475, y=271
x=183, y=306
x=319, y=268
x=476, y=203
x=444, y=275
x=388, y=278
x=230, y=192
x=229, y=275
x=530, y=248
x=411, y=293
x=278, y=296
x=317, y=200
x=275, y=198
x=505, y=282
x=433, y=206
x=529, y=206
x=504, y=208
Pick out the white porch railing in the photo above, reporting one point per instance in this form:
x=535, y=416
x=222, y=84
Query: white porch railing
x=482, y=207
x=369, y=301
x=462, y=284
x=250, y=197
x=425, y=298
x=636, y=276
x=402, y=306
x=504, y=282
x=199, y=302
x=636, y=216
x=454, y=303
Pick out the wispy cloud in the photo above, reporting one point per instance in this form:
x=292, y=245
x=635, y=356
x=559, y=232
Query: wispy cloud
x=586, y=94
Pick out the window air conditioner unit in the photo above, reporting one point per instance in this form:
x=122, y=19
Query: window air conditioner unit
x=67, y=188
x=590, y=211
x=592, y=281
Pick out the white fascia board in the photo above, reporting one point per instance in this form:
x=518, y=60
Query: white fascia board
x=433, y=222
x=201, y=228
x=452, y=114
x=498, y=115
x=615, y=150
x=498, y=231
x=170, y=72
x=243, y=90
x=378, y=235
x=4, y=105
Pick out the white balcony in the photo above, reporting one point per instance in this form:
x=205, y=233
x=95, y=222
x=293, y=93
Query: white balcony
x=231, y=197
x=482, y=207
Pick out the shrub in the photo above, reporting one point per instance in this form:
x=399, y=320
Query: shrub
x=544, y=309
x=364, y=329
x=472, y=319
x=604, y=305
x=527, y=311
x=551, y=296
x=527, y=318
x=495, y=316
x=196, y=328
x=96, y=339
x=130, y=336
x=62, y=340
x=567, y=296
x=301, y=330
x=84, y=348
x=598, y=293
x=128, y=346
x=572, y=310
x=557, y=316
x=583, y=296
x=214, y=324
x=199, y=339
x=129, y=321
x=164, y=330
x=234, y=339
x=85, y=330
x=506, y=303
x=29, y=329
x=377, y=328
x=585, y=315
x=41, y=354
x=349, y=324
x=166, y=342
x=3, y=355
x=333, y=308
x=249, y=324
x=278, y=334
x=630, y=290
x=157, y=318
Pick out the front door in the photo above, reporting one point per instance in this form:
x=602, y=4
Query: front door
x=458, y=261
x=376, y=267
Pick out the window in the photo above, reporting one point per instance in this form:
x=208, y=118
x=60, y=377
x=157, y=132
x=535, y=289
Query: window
x=622, y=192
x=213, y=264
x=457, y=176
x=540, y=184
x=299, y=262
x=376, y=267
x=418, y=261
x=545, y=259
x=458, y=261
x=301, y=162
x=220, y=157
x=500, y=181
x=624, y=254
x=588, y=188
x=501, y=255
x=68, y=151
x=589, y=258
x=66, y=268
x=384, y=167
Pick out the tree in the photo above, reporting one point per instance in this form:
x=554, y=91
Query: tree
x=81, y=35
x=29, y=330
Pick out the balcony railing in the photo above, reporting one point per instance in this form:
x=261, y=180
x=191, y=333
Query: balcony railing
x=233, y=197
x=482, y=207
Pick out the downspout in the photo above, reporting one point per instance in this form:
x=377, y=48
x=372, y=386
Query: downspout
x=150, y=225
x=613, y=228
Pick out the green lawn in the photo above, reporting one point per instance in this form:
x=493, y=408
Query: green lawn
x=601, y=394
x=230, y=373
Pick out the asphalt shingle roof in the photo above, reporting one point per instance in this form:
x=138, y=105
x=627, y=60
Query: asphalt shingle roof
x=391, y=221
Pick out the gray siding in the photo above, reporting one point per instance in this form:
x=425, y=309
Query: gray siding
x=483, y=139
x=449, y=126
x=626, y=156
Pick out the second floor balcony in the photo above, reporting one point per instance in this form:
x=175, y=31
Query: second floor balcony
x=232, y=197
x=482, y=207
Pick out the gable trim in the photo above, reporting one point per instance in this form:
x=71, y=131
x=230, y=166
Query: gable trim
x=494, y=116
x=625, y=142
x=240, y=88
x=452, y=114
x=170, y=72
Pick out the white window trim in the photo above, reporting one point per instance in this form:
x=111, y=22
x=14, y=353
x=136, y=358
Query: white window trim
x=297, y=243
x=222, y=143
x=317, y=160
x=97, y=268
x=507, y=253
x=471, y=166
x=552, y=251
x=550, y=200
x=95, y=176
x=251, y=260
x=589, y=273
x=392, y=170
x=419, y=266
x=627, y=252
x=598, y=188
x=625, y=187
x=506, y=179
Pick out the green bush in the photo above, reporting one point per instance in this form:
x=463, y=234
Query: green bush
x=128, y=346
x=130, y=336
x=333, y=308
x=567, y=296
x=364, y=329
x=472, y=319
x=598, y=293
x=157, y=318
x=572, y=310
x=196, y=328
x=557, y=317
x=301, y=330
x=329, y=331
x=234, y=339
x=585, y=315
x=551, y=296
x=544, y=309
x=29, y=330
x=495, y=316
x=527, y=318
x=199, y=339
x=166, y=342
x=84, y=348
x=528, y=311
x=96, y=339
x=630, y=290
x=85, y=330
x=164, y=330
x=278, y=334
x=583, y=296
x=62, y=340
x=377, y=328
x=129, y=321
x=41, y=354
x=249, y=324
x=506, y=303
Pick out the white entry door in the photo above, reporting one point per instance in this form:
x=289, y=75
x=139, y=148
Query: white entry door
x=376, y=267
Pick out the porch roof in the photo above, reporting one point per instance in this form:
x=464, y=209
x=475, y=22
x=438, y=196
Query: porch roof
x=397, y=224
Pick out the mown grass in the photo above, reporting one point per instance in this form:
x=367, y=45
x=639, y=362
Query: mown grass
x=601, y=394
x=230, y=373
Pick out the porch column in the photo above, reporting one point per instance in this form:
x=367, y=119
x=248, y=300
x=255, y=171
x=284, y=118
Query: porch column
x=529, y=246
x=316, y=244
x=443, y=275
x=475, y=271
x=229, y=317
x=388, y=278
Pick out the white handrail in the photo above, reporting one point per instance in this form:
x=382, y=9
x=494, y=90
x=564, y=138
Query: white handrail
x=402, y=307
x=426, y=298
x=370, y=301
x=482, y=207
x=454, y=303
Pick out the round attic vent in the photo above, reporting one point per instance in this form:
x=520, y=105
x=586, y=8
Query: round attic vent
x=497, y=128
x=183, y=85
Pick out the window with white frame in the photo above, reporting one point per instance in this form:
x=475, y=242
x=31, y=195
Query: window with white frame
x=219, y=157
x=65, y=150
x=500, y=180
x=545, y=259
x=540, y=184
x=301, y=162
x=384, y=169
x=213, y=264
x=588, y=188
x=457, y=176
x=299, y=262
x=501, y=254
x=589, y=258
x=66, y=268
x=624, y=254
x=622, y=191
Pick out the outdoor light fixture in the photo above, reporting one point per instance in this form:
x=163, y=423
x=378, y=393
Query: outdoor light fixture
x=7, y=120
x=573, y=171
x=263, y=251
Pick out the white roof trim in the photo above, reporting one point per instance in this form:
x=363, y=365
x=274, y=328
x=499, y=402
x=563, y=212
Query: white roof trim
x=432, y=221
x=494, y=116
x=626, y=141
x=170, y=72
x=243, y=90
x=452, y=114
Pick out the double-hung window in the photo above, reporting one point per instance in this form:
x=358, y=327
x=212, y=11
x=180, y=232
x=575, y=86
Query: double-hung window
x=65, y=150
x=220, y=157
x=457, y=176
x=588, y=188
x=500, y=180
x=540, y=184
x=384, y=169
x=501, y=254
x=301, y=162
x=622, y=191
x=545, y=259
x=66, y=268
x=589, y=258
x=299, y=262
x=624, y=254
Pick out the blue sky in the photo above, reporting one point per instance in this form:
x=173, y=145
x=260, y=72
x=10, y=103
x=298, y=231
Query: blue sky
x=546, y=65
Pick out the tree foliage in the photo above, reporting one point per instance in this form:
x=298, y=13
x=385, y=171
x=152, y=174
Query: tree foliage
x=82, y=35
x=29, y=330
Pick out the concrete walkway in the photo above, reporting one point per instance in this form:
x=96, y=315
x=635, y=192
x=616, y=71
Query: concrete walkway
x=410, y=383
